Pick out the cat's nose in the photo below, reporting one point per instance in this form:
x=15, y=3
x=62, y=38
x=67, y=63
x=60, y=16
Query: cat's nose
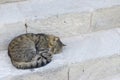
x=49, y=54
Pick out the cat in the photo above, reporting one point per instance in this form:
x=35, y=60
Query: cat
x=31, y=50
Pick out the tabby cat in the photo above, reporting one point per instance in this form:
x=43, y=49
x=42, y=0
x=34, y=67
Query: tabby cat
x=33, y=50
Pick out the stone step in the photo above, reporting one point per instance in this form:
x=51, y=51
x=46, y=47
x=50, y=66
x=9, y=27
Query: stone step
x=64, y=25
x=106, y=68
x=76, y=23
x=91, y=50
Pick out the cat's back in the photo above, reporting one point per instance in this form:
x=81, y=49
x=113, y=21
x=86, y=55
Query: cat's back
x=22, y=41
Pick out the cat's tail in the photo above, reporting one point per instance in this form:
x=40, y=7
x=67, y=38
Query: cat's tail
x=38, y=61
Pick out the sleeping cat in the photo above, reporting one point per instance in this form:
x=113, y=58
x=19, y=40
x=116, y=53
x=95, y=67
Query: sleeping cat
x=33, y=50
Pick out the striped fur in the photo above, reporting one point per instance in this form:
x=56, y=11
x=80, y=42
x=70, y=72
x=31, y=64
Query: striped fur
x=33, y=50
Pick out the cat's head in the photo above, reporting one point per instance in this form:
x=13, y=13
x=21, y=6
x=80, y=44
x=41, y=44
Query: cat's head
x=55, y=44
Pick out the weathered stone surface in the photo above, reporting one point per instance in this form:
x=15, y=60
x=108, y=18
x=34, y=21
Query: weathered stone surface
x=62, y=25
x=106, y=18
x=8, y=32
x=10, y=13
x=56, y=74
x=95, y=69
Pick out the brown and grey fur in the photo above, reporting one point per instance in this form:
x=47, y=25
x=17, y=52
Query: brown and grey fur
x=33, y=50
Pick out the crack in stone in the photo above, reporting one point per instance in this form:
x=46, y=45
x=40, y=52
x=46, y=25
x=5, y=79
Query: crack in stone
x=26, y=27
x=68, y=73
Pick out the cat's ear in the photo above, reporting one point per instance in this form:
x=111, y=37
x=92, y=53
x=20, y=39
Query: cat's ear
x=63, y=44
x=56, y=38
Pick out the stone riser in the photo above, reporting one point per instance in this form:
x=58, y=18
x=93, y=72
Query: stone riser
x=65, y=25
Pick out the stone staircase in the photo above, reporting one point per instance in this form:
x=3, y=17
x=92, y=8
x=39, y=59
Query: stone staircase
x=90, y=30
